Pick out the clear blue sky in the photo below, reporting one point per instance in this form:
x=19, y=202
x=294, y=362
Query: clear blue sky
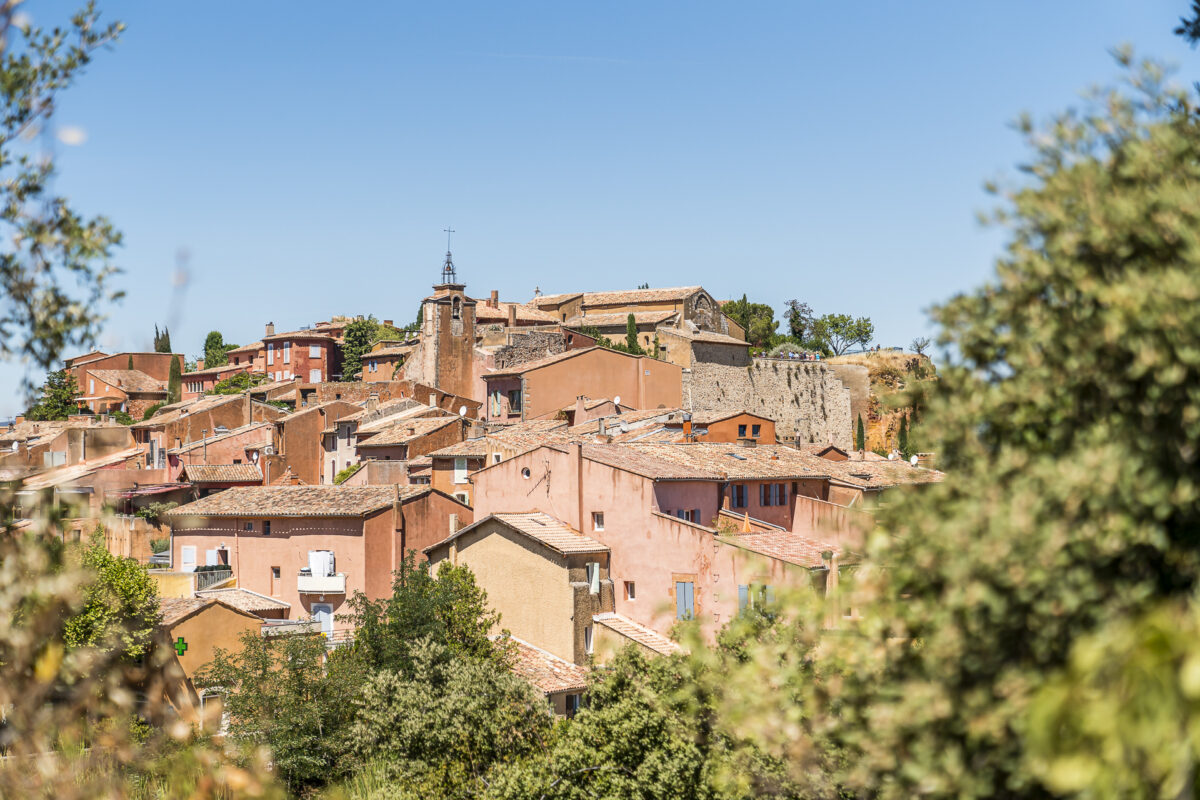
x=308, y=155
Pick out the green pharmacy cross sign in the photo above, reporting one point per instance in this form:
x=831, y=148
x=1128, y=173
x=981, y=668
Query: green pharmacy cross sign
x=180, y=646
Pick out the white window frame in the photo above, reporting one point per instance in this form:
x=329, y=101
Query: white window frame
x=630, y=591
x=592, y=569
x=460, y=469
x=287, y=352
x=597, y=520
x=270, y=353
x=187, y=557
x=314, y=351
x=314, y=376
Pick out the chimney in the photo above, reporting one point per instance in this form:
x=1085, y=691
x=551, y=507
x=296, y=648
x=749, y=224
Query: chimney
x=687, y=426
x=270, y=329
x=579, y=409
x=494, y=301
x=746, y=523
x=412, y=430
x=372, y=401
x=390, y=323
x=512, y=315
x=18, y=419
x=603, y=429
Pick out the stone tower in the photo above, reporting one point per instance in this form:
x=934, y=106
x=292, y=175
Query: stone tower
x=448, y=335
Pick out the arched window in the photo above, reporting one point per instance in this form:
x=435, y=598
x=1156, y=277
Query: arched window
x=456, y=308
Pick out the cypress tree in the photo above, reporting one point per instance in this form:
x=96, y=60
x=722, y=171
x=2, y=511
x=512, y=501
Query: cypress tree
x=174, y=382
x=130, y=364
x=631, y=340
x=860, y=440
x=902, y=438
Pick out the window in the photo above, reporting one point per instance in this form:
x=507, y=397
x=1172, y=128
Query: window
x=462, y=498
x=249, y=526
x=314, y=351
x=755, y=596
x=597, y=520
x=456, y=308
x=572, y=703
x=460, y=470
x=275, y=573
x=741, y=431
x=314, y=376
x=630, y=590
x=755, y=430
x=514, y=401
x=266, y=527
x=374, y=366
x=685, y=600
x=592, y=569
x=587, y=639
x=739, y=495
x=287, y=352
x=525, y=473
x=270, y=354
x=187, y=557
x=495, y=458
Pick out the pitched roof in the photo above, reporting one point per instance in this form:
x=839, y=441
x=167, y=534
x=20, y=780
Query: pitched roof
x=247, y=347
x=709, y=417
x=385, y=352
x=469, y=448
x=381, y=413
x=619, y=319
x=131, y=380
x=529, y=426
x=542, y=528
x=787, y=546
x=637, y=632
x=708, y=337
x=546, y=671
x=244, y=599
x=297, y=501
x=222, y=473
x=528, y=313
x=217, y=370
x=625, y=418
x=737, y=462
x=176, y=609
x=634, y=296
x=199, y=444
x=406, y=431
x=520, y=369
x=553, y=299
x=630, y=458
x=180, y=410
x=872, y=474
x=309, y=334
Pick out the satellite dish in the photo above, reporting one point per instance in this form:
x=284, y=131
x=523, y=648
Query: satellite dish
x=617, y=400
x=891, y=456
x=462, y=411
x=913, y=461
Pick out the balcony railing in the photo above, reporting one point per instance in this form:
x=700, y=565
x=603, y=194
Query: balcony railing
x=321, y=584
x=210, y=578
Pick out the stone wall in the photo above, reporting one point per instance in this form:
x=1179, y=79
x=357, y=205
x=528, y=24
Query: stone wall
x=805, y=398
x=531, y=346
x=857, y=379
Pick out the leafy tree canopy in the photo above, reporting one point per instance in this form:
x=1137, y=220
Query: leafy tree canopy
x=840, y=332
x=757, y=319
x=120, y=606
x=236, y=384
x=358, y=338
x=58, y=398
x=216, y=351
x=1007, y=606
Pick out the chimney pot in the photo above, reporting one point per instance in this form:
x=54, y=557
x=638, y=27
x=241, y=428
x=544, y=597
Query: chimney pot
x=494, y=302
x=270, y=329
x=512, y=316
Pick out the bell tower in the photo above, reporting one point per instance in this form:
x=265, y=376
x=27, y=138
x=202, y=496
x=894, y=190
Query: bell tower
x=448, y=334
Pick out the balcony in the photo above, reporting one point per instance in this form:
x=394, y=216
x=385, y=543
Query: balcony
x=307, y=583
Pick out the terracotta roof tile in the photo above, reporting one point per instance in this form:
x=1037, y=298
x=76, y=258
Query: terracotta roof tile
x=787, y=546
x=637, y=632
x=309, y=334
x=528, y=313
x=244, y=599
x=613, y=422
x=130, y=380
x=180, y=410
x=247, y=347
x=620, y=319
x=406, y=431
x=634, y=296
x=175, y=609
x=553, y=299
x=708, y=337
x=542, y=528
x=476, y=448
x=222, y=473
x=546, y=671
x=262, y=428
x=296, y=501
x=736, y=462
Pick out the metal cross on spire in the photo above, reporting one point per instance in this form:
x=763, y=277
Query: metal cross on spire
x=448, y=272
x=447, y=230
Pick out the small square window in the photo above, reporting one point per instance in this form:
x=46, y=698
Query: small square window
x=275, y=573
x=630, y=590
x=755, y=430
x=495, y=458
x=249, y=526
x=597, y=520
x=741, y=431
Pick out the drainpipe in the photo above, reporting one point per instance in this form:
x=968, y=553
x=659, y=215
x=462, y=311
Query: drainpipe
x=577, y=457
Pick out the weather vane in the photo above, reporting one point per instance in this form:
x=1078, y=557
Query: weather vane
x=448, y=230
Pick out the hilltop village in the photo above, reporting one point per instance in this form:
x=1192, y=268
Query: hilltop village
x=598, y=493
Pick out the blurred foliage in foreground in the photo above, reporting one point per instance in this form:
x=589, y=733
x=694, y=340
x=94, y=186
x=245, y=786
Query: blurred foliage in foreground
x=1048, y=583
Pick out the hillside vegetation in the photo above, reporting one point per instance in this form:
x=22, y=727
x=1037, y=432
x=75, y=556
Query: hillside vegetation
x=892, y=372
